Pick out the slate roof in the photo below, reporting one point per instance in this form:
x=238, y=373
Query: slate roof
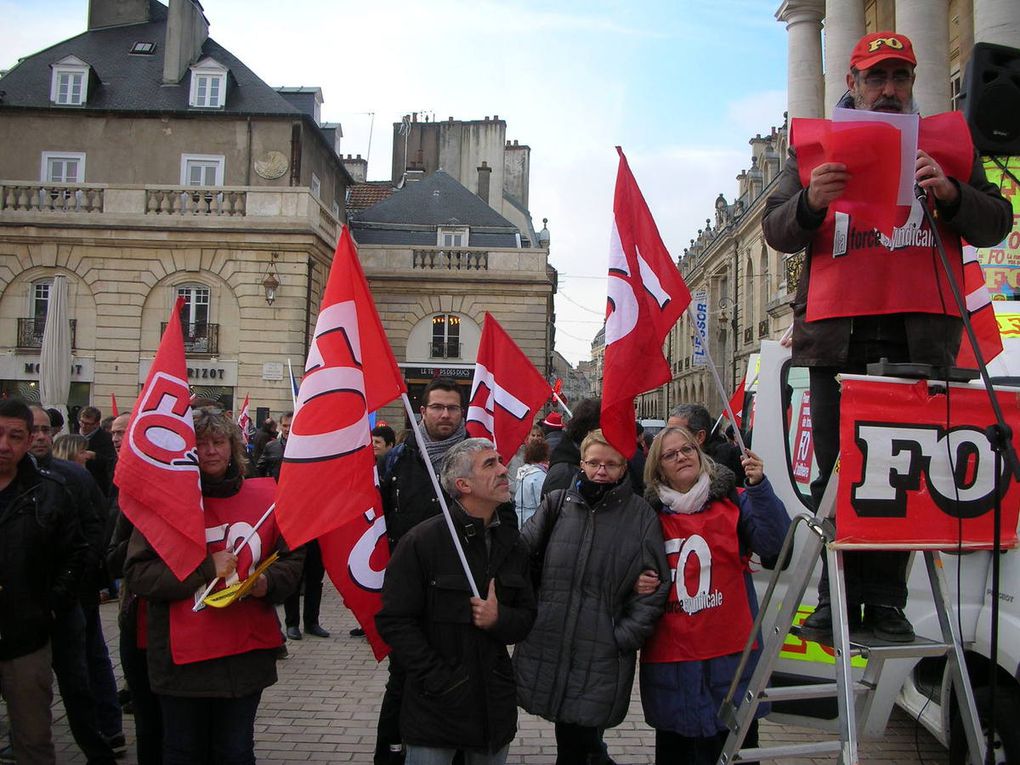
x=438, y=200
x=134, y=83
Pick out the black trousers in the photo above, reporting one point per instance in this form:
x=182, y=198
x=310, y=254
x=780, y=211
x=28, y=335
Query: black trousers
x=312, y=580
x=673, y=749
x=580, y=745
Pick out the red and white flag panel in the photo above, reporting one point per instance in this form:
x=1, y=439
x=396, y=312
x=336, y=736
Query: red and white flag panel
x=646, y=298
x=982, y=314
x=327, y=488
x=244, y=420
x=157, y=468
x=507, y=391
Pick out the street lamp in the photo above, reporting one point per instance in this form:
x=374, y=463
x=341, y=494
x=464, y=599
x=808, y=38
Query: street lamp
x=270, y=283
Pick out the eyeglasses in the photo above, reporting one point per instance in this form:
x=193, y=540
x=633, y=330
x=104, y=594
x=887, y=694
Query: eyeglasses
x=673, y=455
x=879, y=79
x=595, y=465
x=44, y=429
x=447, y=408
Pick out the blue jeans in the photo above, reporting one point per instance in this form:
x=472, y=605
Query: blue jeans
x=209, y=731
x=431, y=755
x=101, y=680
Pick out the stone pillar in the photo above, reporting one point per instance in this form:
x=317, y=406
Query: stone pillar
x=926, y=23
x=844, y=26
x=803, y=19
x=997, y=21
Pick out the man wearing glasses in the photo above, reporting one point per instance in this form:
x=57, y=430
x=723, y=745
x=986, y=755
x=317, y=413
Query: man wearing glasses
x=409, y=498
x=101, y=444
x=863, y=297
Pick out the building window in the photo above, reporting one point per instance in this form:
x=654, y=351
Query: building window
x=143, y=48
x=445, y=336
x=452, y=237
x=955, y=84
x=200, y=336
x=336, y=211
x=316, y=186
x=202, y=169
x=62, y=167
x=208, y=85
x=70, y=83
x=41, y=299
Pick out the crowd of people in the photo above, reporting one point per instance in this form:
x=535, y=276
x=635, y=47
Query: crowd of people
x=579, y=557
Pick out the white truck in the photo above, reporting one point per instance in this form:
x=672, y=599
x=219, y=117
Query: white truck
x=921, y=687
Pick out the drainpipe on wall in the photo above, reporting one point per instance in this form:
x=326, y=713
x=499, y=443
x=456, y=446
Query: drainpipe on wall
x=308, y=308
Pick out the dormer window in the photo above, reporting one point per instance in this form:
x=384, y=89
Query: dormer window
x=208, y=85
x=452, y=237
x=70, y=83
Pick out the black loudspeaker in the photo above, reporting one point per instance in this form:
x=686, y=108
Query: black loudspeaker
x=991, y=98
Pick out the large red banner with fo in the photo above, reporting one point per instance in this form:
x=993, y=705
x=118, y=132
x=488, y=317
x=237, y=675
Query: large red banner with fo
x=912, y=476
x=327, y=485
x=506, y=393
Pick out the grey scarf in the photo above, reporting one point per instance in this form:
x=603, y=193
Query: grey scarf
x=438, y=449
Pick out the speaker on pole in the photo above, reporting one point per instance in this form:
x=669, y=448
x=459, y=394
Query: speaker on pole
x=991, y=98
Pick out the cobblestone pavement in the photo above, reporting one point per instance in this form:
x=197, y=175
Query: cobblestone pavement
x=325, y=707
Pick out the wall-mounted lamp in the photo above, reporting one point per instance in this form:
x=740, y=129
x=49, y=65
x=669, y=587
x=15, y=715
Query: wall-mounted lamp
x=270, y=284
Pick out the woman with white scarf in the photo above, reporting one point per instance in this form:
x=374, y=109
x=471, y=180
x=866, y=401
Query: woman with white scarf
x=710, y=532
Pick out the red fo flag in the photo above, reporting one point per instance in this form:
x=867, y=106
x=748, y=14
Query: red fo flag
x=982, y=314
x=244, y=420
x=737, y=403
x=157, y=468
x=646, y=298
x=507, y=391
x=327, y=479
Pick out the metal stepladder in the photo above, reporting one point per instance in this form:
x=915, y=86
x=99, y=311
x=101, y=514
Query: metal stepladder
x=853, y=697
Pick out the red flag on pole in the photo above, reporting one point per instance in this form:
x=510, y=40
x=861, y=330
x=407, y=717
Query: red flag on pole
x=982, y=314
x=327, y=484
x=113, y=405
x=737, y=403
x=244, y=420
x=157, y=468
x=507, y=391
x=646, y=298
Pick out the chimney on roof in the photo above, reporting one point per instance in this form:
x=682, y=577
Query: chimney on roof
x=411, y=176
x=357, y=167
x=484, y=176
x=186, y=31
x=115, y=13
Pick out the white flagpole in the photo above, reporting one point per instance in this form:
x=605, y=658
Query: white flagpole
x=715, y=376
x=293, y=395
x=562, y=404
x=198, y=606
x=439, y=492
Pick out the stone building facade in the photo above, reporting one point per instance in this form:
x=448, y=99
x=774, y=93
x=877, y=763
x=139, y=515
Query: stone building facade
x=144, y=161
x=747, y=286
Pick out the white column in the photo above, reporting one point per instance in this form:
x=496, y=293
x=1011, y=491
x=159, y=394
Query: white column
x=926, y=23
x=844, y=26
x=803, y=20
x=997, y=21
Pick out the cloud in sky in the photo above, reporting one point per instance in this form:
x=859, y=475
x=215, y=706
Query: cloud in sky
x=681, y=86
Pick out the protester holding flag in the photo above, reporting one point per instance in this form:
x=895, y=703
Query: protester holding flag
x=864, y=305
x=588, y=546
x=696, y=419
x=209, y=666
x=689, y=661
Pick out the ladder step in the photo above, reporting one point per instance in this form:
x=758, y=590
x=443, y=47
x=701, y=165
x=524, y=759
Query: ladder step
x=783, y=753
x=810, y=691
x=919, y=648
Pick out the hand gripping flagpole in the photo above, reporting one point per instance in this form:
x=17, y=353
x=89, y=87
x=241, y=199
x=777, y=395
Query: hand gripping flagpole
x=563, y=404
x=715, y=376
x=199, y=605
x=439, y=493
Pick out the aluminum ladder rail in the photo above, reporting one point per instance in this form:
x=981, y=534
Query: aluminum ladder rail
x=853, y=697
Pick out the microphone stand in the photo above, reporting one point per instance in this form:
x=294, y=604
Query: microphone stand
x=1000, y=438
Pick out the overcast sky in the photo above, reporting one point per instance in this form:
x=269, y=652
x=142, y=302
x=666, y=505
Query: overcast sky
x=681, y=85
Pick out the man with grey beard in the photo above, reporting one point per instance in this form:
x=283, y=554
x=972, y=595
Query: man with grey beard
x=856, y=305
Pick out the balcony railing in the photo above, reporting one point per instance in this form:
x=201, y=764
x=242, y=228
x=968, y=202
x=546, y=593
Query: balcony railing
x=450, y=260
x=200, y=338
x=188, y=200
x=448, y=349
x=748, y=335
x=51, y=197
x=30, y=332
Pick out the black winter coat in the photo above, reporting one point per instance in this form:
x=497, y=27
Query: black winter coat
x=42, y=555
x=459, y=690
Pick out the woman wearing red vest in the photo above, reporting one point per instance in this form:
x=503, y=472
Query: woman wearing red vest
x=710, y=532
x=209, y=667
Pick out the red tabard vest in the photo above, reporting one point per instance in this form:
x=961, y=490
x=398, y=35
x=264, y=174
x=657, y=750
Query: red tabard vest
x=248, y=624
x=854, y=274
x=707, y=614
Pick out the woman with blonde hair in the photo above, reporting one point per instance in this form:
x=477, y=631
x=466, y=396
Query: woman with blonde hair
x=73, y=448
x=589, y=544
x=710, y=531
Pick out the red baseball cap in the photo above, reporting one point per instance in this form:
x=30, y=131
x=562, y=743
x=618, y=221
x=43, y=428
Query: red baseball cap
x=881, y=46
x=553, y=420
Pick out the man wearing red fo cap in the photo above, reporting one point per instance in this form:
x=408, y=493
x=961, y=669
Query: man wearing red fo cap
x=909, y=317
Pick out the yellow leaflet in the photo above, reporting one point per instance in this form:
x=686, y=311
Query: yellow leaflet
x=235, y=592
